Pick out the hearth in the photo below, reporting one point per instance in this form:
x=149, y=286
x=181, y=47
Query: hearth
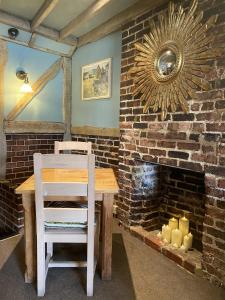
x=162, y=192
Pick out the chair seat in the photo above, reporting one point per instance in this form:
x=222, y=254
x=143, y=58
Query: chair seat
x=65, y=225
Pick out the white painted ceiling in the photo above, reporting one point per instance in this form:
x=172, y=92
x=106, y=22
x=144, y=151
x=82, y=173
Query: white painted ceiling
x=65, y=11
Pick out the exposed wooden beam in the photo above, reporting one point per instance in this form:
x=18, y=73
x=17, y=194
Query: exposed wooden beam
x=3, y=151
x=116, y=22
x=85, y=16
x=99, y=131
x=67, y=96
x=37, y=87
x=32, y=40
x=23, y=24
x=46, y=8
x=72, y=51
x=31, y=44
x=34, y=127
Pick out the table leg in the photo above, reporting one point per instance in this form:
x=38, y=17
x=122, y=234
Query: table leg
x=30, y=237
x=106, y=253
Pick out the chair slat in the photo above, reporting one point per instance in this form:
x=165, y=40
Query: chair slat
x=72, y=145
x=67, y=264
x=66, y=237
x=64, y=189
x=64, y=161
x=65, y=214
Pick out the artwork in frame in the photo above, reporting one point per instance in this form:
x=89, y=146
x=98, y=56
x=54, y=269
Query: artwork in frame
x=96, y=80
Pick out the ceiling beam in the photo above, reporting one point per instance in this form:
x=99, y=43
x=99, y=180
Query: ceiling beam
x=85, y=16
x=46, y=8
x=116, y=22
x=24, y=24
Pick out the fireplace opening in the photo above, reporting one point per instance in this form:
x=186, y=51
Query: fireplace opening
x=167, y=192
x=161, y=193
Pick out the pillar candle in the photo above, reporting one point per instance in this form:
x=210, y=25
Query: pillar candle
x=159, y=235
x=187, y=243
x=176, y=238
x=166, y=233
x=173, y=223
x=184, y=226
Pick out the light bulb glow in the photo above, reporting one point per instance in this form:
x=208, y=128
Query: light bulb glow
x=26, y=88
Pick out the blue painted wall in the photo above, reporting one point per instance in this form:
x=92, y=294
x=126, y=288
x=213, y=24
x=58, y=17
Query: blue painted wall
x=102, y=112
x=47, y=105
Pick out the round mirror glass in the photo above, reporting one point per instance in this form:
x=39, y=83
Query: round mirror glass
x=166, y=62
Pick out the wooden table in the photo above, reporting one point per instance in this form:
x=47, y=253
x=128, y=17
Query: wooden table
x=105, y=187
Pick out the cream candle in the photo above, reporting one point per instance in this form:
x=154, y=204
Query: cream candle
x=166, y=233
x=187, y=243
x=173, y=223
x=184, y=225
x=159, y=235
x=176, y=238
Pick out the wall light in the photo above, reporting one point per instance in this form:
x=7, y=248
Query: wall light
x=25, y=88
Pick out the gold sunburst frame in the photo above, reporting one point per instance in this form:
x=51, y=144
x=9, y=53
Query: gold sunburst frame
x=181, y=34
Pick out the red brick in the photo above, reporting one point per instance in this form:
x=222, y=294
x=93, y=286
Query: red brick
x=170, y=254
x=221, y=183
x=157, y=152
x=166, y=144
x=210, y=158
x=153, y=242
x=211, y=116
x=215, y=127
x=188, y=146
x=198, y=127
x=168, y=161
x=190, y=266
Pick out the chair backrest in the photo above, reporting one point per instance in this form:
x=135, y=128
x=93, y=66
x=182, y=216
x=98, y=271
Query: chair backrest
x=84, y=146
x=44, y=188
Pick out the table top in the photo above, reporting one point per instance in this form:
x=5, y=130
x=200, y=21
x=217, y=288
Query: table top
x=105, y=180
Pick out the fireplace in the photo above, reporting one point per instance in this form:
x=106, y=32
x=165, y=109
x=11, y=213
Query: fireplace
x=192, y=142
x=164, y=192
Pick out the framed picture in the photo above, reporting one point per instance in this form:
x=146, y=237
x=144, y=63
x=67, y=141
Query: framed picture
x=96, y=80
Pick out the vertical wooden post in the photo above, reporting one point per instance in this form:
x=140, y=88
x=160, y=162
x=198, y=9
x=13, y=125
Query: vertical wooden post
x=106, y=253
x=30, y=236
x=3, y=149
x=67, y=96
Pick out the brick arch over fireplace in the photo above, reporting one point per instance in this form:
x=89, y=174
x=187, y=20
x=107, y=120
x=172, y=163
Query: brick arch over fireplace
x=193, y=141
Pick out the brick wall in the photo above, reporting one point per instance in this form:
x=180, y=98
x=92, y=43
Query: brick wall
x=20, y=150
x=105, y=149
x=193, y=141
x=146, y=195
x=11, y=210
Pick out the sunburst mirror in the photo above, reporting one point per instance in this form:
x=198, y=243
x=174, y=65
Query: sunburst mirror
x=172, y=61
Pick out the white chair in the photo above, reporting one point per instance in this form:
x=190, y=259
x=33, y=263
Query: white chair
x=72, y=145
x=68, y=146
x=64, y=216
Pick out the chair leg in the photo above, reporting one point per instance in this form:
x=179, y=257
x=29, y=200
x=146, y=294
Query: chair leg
x=90, y=262
x=40, y=269
x=97, y=235
x=50, y=248
x=90, y=282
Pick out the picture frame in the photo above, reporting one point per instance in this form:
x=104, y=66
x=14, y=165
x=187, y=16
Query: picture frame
x=96, y=80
